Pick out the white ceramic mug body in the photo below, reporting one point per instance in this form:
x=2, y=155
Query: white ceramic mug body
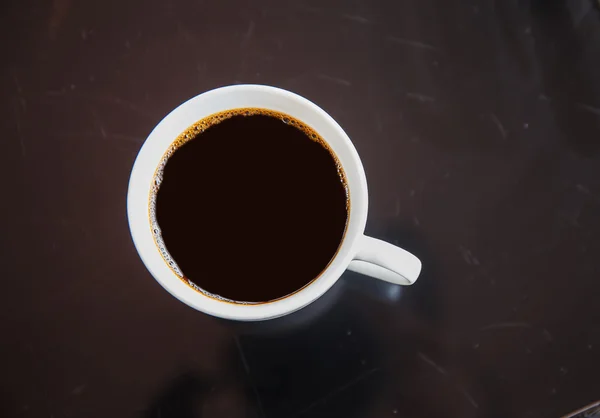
x=357, y=252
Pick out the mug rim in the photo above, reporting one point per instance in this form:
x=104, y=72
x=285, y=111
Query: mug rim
x=214, y=101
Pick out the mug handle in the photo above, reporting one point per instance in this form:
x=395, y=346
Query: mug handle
x=384, y=261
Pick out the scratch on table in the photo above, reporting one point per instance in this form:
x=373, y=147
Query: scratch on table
x=378, y=122
x=412, y=43
x=184, y=33
x=99, y=123
x=247, y=370
x=444, y=372
x=337, y=391
x=60, y=10
x=468, y=396
x=335, y=80
x=547, y=334
x=78, y=390
x=499, y=125
x=17, y=82
x=309, y=8
x=242, y=356
x=584, y=190
x=116, y=100
x=571, y=219
x=468, y=256
x=420, y=97
x=20, y=133
x=357, y=18
x=588, y=108
x=433, y=364
x=249, y=33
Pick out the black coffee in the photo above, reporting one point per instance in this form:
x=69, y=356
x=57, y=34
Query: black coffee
x=251, y=205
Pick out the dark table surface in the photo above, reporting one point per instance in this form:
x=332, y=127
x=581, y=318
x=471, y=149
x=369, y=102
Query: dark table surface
x=478, y=123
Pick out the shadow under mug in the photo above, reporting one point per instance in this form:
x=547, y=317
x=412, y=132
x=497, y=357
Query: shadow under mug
x=357, y=252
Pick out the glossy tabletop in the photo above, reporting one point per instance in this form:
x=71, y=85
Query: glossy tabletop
x=478, y=124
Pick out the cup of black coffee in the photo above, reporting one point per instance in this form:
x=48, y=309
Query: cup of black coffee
x=248, y=202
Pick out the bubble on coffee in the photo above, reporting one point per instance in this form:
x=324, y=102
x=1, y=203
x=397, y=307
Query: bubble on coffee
x=194, y=132
x=158, y=240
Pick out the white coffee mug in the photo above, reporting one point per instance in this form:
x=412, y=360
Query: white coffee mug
x=357, y=252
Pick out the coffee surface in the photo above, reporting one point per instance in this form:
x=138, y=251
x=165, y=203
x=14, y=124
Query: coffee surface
x=251, y=205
